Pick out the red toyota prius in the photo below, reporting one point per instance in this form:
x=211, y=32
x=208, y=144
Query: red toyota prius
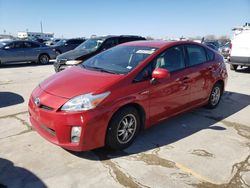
x=110, y=97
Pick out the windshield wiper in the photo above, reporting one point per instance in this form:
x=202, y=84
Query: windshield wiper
x=100, y=69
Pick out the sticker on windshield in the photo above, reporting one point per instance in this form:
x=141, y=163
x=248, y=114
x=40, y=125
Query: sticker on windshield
x=145, y=51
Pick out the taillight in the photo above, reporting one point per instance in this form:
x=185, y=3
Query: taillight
x=231, y=45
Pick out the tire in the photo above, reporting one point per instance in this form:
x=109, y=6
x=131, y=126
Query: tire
x=215, y=96
x=43, y=59
x=233, y=67
x=123, y=129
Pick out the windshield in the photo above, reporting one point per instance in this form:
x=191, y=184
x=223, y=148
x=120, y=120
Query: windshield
x=60, y=42
x=90, y=44
x=119, y=60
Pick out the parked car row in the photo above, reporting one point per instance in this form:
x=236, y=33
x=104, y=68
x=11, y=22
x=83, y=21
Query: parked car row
x=90, y=48
x=30, y=51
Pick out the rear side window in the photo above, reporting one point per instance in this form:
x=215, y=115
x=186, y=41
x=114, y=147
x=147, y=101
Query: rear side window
x=210, y=55
x=196, y=54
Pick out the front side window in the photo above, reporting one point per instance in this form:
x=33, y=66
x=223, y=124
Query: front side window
x=172, y=59
x=196, y=54
x=27, y=44
x=119, y=60
x=110, y=43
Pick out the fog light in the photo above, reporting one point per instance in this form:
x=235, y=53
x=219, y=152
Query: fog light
x=75, y=134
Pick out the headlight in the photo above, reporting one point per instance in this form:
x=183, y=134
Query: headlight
x=84, y=102
x=73, y=62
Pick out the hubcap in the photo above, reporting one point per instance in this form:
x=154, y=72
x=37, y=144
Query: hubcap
x=126, y=129
x=44, y=59
x=215, y=96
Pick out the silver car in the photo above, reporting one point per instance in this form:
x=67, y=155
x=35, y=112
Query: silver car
x=25, y=51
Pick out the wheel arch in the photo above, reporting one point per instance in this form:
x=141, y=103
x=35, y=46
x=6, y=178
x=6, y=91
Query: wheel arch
x=43, y=53
x=138, y=107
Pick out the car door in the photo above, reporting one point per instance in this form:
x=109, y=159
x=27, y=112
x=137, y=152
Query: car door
x=171, y=95
x=13, y=52
x=31, y=51
x=200, y=71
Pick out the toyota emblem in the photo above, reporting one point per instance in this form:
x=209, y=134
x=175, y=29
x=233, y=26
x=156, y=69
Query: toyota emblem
x=37, y=101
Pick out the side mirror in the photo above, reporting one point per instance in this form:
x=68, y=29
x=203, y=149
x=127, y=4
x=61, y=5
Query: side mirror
x=160, y=73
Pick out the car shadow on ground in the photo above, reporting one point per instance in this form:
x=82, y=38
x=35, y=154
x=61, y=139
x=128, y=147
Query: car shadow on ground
x=22, y=64
x=13, y=176
x=9, y=99
x=177, y=128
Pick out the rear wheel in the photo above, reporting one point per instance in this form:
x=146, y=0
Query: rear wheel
x=123, y=128
x=43, y=59
x=233, y=67
x=215, y=96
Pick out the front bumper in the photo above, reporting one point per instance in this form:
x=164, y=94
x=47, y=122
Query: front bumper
x=55, y=125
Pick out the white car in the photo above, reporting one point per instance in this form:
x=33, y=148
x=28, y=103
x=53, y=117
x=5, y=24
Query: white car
x=240, y=47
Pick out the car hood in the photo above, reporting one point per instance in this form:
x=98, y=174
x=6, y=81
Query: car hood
x=77, y=81
x=73, y=54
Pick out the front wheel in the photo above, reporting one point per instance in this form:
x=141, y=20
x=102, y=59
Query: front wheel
x=215, y=96
x=123, y=129
x=43, y=59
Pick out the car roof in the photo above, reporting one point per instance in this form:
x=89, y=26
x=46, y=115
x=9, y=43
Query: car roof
x=112, y=36
x=157, y=43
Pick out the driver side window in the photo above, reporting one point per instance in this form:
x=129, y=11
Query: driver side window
x=109, y=43
x=172, y=59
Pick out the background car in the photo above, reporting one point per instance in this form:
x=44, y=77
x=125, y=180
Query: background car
x=90, y=48
x=212, y=44
x=240, y=48
x=25, y=51
x=225, y=50
x=65, y=45
x=113, y=95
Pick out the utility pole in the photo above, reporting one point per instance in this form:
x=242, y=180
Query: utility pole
x=41, y=26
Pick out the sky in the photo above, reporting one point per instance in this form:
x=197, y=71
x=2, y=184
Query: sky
x=155, y=18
